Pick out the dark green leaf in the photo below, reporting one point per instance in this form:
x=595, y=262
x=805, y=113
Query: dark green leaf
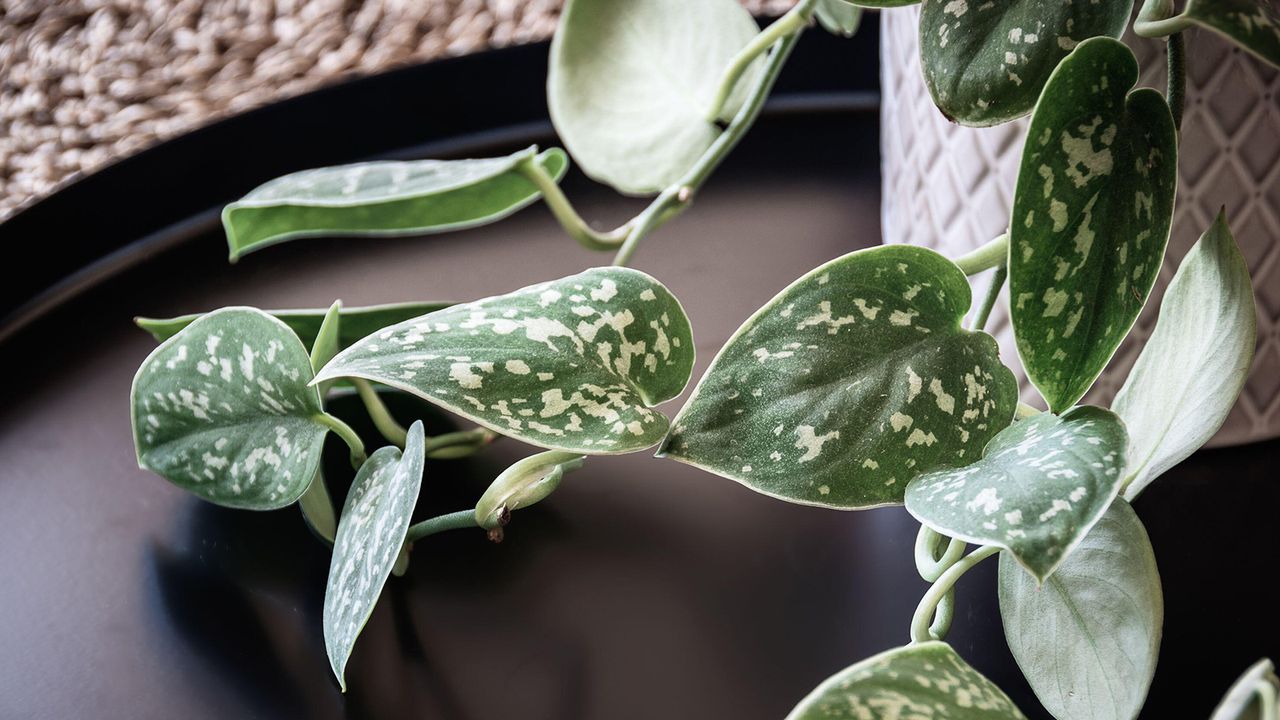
x=1252, y=24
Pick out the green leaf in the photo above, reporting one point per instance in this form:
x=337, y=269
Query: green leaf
x=849, y=383
x=223, y=410
x=384, y=198
x=1040, y=486
x=986, y=62
x=371, y=531
x=1088, y=640
x=926, y=680
x=1197, y=359
x=1252, y=24
x=884, y=3
x=630, y=83
x=1243, y=695
x=357, y=322
x=573, y=364
x=1091, y=216
x=839, y=17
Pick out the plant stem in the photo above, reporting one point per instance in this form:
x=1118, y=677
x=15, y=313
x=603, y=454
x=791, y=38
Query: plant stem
x=1177, y=86
x=463, y=443
x=993, y=253
x=1266, y=693
x=441, y=523
x=393, y=431
x=989, y=300
x=348, y=436
x=795, y=19
x=1154, y=20
x=928, y=563
x=564, y=213
x=317, y=510
x=923, y=618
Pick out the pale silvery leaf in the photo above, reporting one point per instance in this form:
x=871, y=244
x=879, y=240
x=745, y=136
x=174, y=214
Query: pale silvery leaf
x=371, y=531
x=1091, y=214
x=986, y=62
x=850, y=382
x=223, y=409
x=574, y=364
x=838, y=17
x=1194, y=364
x=1040, y=486
x=1243, y=694
x=385, y=198
x=1087, y=641
x=928, y=680
x=630, y=83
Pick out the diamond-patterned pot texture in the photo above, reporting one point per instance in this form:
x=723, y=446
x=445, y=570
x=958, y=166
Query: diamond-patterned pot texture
x=950, y=188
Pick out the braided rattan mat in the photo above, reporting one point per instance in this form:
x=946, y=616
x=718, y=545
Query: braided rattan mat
x=84, y=82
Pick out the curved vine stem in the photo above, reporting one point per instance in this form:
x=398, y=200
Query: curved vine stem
x=929, y=563
x=393, y=431
x=923, y=618
x=989, y=300
x=566, y=215
x=790, y=23
x=348, y=436
x=992, y=254
x=450, y=521
x=1156, y=19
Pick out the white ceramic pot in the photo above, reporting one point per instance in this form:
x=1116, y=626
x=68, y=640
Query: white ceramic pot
x=949, y=187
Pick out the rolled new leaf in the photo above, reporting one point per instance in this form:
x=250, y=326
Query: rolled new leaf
x=1091, y=214
x=385, y=198
x=1244, y=694
x=853, y=380
x=574, y=364
x=371, y=531
x=223, y=409
x=1040, y=486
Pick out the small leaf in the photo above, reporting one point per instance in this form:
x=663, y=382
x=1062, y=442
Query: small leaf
x=1088, y=640
x=384, y=198
x=1040, y=486
x=573, y=364
x=1243, y=694
x=327, y=342
x=848, y=384
x=1194, y=364
x=925, y=680
x=1091, y=216
x=1252, y=24
x=371, y=531
x=839, y=17
x=630, y=83
x=986, y=63
x=357, y=322
x=223, y=410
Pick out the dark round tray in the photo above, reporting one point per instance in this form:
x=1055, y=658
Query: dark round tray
x=642, y=589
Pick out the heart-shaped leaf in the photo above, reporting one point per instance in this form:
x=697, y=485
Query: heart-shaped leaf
x=838, y=17
x=573, y=364
x=357, y=322
x=1243, y=694
x=1091, y=216
x=630, y=83
x=1040, y=486
x=1252, y=24
x=223, y=409
x=371, y=531
x=926, y=680
x=1087, y=641
x=1194, y=364
x=384, y=198
x=849, y=383
x=986, y=62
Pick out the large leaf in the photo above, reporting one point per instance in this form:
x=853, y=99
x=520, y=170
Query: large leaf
x=223, y=409
x=1087, y=641
x=371, y=531
x=357, y=322
x=1194, y=364
x=986, y=62
x=1243, y=694
x=850, y=382
x=1091, y=217
x=384, y=198
x=928, y=680
x=573, y=364
x=630, y=83
x=1041, y=485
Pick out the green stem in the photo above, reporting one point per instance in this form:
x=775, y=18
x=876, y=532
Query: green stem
x=440, y=523
x=463, y=443
x=1266, y=693
x=992, y=254
x=564, y=213
x=789, y=24
x=943, y=616
x=348, y=436
x=1177, y=86
x=393, y=431
x=989, y=300
x=924, y=615
x=928, y=563
x=317, y=510
x=1156, y=19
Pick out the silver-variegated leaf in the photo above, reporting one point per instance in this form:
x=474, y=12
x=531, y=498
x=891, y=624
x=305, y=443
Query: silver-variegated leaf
x=1040, y=486
x=986, y=62
x=1087, y=641
x=385, y=198
x=848, y=384
x=838, y=17
x=371, y=531
x=1197, y=359
x=223, y=409
x=928, y=680
x=1243, y=696
x=1252, y=24
x=574, y=364
x=1091, y=214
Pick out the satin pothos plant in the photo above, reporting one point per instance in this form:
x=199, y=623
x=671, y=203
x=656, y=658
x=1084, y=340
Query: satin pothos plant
x=859, y=385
